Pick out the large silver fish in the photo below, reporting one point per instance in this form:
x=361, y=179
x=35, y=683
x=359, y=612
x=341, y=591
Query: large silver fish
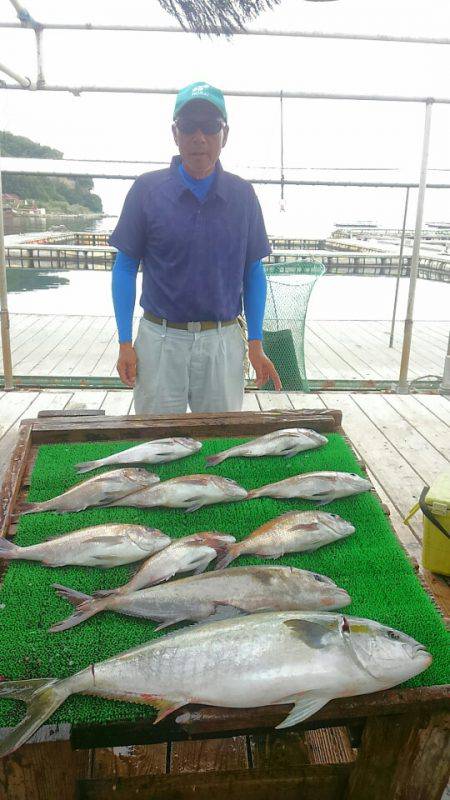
x=286, y=442
x=101, y=490
x=293, y=532
x=155, y=452
x=188, y=491
x=99, y=546
x=243, y=589
x=263, y=659
x=322, y=487
x=187, y=554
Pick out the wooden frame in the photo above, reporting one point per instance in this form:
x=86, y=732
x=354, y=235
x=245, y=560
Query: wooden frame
x=403, y=736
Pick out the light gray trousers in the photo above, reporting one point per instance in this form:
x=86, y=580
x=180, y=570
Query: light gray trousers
x=177, y=368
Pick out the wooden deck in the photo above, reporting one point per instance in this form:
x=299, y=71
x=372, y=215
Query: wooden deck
x=404, y=440
x=80, y=346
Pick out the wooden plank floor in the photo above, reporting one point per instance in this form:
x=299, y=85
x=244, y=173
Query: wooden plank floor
x=404, y=440
x=58, y=345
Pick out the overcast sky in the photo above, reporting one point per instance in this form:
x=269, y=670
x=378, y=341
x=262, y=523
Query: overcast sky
x=317, y=133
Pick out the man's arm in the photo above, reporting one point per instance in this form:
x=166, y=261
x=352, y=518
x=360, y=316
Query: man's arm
x=255, y=290
x=124, y=297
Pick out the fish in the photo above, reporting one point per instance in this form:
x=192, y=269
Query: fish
x=187, y=554
x=157, y=451
x=286, y=442
x=276, y=658
x=98, y=491
x=293, y=532
x=236, y=591
x=187, y=491
x=321, y=487
x=98, y=546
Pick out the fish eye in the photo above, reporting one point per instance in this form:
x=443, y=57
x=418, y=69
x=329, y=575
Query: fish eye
x=393, y=635
x=319, y=578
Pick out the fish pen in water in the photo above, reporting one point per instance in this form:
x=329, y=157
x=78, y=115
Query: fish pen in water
x=370, y=564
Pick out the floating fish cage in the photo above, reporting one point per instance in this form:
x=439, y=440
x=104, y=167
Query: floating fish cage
x=375, y=745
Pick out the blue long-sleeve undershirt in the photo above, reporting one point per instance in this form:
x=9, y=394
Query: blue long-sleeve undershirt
x=124, y=275
x=125, y=270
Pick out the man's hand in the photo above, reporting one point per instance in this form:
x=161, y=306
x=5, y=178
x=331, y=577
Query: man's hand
x=262, y=365
x=126, y=364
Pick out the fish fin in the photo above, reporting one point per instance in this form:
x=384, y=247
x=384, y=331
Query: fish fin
x=73, y=620
x=321, y=498
x=305, y=526
x=224, y=611
x=227, y=556
x=71, y=595
x=21, y=690
x=255, y=493
x=104, y=592
x=164, y=705
x=304, y=707
x=168, y=622
x=221, y=611
x=311, y=633
x=31, y=508
x=8, y=549
x=194, y=507
x=212, y=461
x=289, y=452
x=86, y=466
x=87, y=606
x=217, y=541
x=42, y=701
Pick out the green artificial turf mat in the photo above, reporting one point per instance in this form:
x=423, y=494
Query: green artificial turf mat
x=370, y=564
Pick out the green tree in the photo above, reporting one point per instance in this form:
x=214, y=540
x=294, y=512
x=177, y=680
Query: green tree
x=44, y=190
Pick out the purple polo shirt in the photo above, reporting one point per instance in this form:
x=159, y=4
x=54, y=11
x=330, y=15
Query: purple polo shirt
x=194, y=253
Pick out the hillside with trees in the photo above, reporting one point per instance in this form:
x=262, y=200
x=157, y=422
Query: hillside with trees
x=56, y=195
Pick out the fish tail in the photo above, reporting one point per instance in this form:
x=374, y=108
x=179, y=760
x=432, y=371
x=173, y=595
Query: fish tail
x=86, y=466
x=9, y=550
x=42, y=696
x=227, y=555
x=255, y=493
x=212, y=461
x=86, y=606
x=32, y=508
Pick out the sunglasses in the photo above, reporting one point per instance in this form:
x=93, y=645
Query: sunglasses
x=190, y=125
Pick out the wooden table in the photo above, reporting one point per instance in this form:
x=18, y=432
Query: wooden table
x=391, y=744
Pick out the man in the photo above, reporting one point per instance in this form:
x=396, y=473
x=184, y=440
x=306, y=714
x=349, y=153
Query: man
x=200, y=234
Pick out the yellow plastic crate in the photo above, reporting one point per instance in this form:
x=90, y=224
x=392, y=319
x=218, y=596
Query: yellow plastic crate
x=435, y=504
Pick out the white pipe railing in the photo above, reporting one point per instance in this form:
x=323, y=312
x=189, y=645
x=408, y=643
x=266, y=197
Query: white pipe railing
x=383, y=98
x=369, y=37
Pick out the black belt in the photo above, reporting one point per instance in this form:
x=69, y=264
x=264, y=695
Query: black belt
x=188, y=326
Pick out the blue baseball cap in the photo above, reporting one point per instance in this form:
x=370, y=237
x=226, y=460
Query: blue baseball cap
x=200, y=91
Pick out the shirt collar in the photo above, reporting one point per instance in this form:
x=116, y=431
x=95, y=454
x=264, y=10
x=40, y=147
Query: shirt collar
x=177, y=187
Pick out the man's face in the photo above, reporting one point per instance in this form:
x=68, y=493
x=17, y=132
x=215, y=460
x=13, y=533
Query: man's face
x=200, y=133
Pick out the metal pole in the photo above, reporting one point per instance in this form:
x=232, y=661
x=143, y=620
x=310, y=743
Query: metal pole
x=39, y=33
x=399, y=273
x=383, y=98
x=6, y=343
x=376, y=37
x=282, y=201
x=445, y=385
x=403, y=387
x=24, y=82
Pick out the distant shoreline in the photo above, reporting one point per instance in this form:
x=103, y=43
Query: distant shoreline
x=61, y=216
